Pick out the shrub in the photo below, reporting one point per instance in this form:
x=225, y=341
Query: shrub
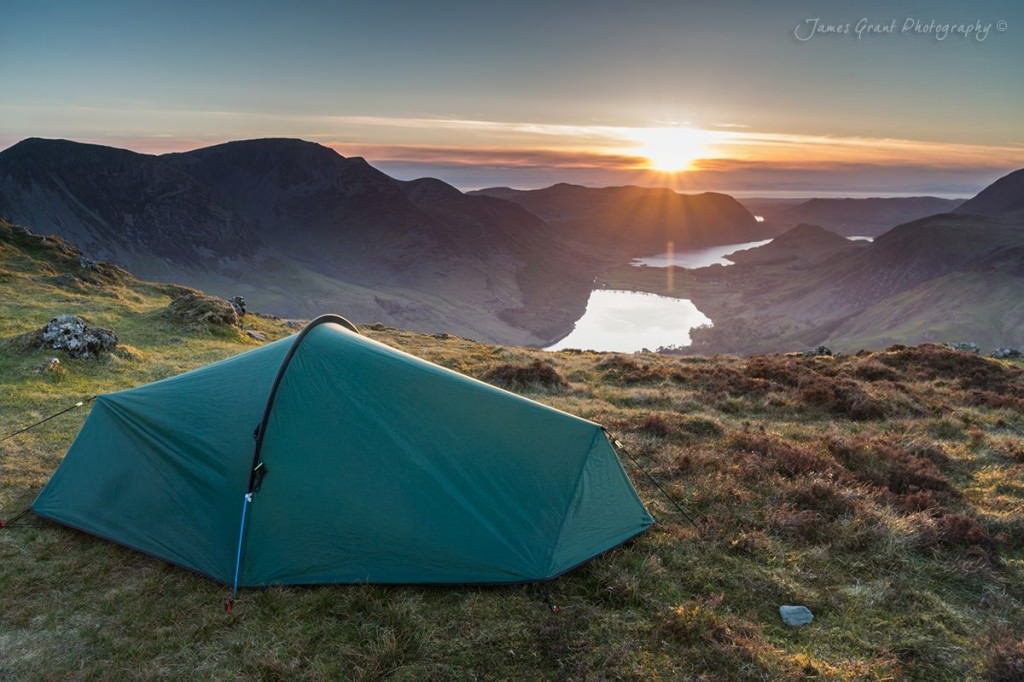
x=1005, y=660
x=673, y=425
x=884, y=464
x=787, y=459
x=873, y=370
x=622, y=370
x=840, y=396
x=961, y=530
x=527, y=377
x=820, y=494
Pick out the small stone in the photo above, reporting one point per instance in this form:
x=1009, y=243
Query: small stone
x=254, y=334
x=795, y=616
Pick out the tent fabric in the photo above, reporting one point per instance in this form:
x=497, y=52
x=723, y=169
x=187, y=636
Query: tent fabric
x=379, y=467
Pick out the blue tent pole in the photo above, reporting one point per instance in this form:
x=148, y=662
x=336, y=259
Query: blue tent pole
x=246, y=499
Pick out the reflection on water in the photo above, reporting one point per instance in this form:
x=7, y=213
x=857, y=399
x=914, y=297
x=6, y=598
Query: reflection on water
x=702, y=258
x=629, y=321
x=697, y=258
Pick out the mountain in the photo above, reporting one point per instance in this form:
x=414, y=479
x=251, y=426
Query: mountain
x=944, y=278
x=118, y=205
x=1005, y=195
x=637, y=221
x=801, y=245
x=850, y=217
x=298, y=229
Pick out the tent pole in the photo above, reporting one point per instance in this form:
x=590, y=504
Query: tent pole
x=246, y=499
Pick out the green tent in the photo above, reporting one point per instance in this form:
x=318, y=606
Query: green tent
x=366, y=465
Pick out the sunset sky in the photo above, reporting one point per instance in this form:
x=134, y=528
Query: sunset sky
x=732, y=96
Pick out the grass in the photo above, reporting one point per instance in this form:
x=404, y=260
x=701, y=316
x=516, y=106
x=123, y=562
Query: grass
x=882, y=490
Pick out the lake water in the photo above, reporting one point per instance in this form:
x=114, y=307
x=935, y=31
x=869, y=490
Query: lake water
x=697, y=258
x=629, y=321
x=702, y=258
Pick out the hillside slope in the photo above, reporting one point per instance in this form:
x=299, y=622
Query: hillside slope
x=881, y=490
x=1005, y=195
x=945, y=278
x=299, y=229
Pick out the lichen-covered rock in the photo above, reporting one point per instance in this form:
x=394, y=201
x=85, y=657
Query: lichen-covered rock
x=1003, y=353
x=73, y=335
x=196, y=309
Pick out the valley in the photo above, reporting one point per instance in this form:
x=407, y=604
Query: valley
x=297, y=229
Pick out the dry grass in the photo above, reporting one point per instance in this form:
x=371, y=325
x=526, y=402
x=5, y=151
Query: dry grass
x=880, y=490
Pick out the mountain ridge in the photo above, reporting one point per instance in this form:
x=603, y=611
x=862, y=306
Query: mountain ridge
x=295, y=226
x=635, y=221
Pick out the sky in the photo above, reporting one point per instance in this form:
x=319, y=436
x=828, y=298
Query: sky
x=785, y=98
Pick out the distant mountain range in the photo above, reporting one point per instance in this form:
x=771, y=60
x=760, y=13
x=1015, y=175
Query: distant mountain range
x=298, y=230
x=637, y=221
x=849, y=217
x=950, y=277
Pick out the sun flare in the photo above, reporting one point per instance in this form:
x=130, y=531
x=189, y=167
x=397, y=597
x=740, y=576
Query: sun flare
x=672, y=150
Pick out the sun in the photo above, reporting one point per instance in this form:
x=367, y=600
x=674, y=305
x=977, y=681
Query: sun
x=672, y=150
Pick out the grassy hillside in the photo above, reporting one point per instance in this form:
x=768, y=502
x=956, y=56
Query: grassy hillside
x=883, y=490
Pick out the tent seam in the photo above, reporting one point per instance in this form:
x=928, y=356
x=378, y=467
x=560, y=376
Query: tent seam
x=572, y=499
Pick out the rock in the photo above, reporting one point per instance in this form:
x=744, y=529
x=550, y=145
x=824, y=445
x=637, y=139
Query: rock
x=86, y=263
x=52, y=365
x=795, y=616
x=72, y=334
x=1003, y=353
x=965, y=346
x=254, y=334
x=66, y=280
x=820, y=350
x=238, y=303
x=197, y=309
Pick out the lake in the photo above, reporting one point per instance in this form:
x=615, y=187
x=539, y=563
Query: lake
x=697, y=258
x=629, y=321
